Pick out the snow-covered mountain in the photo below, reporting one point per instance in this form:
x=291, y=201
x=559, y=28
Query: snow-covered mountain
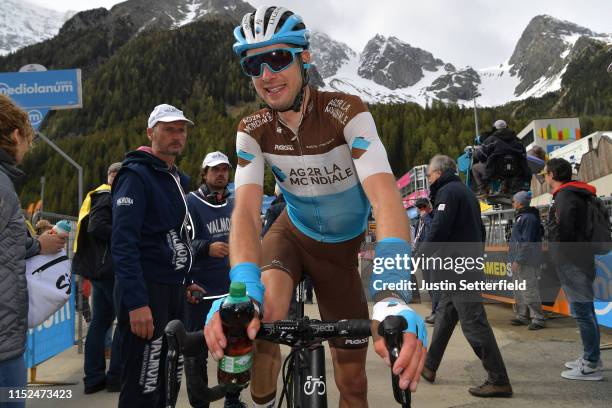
x=390, y=71
x=23, y=23
x=176, y=13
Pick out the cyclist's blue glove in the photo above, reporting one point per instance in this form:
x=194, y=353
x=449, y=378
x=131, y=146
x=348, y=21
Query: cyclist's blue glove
x=250, y=274
x=387, y=274
x=392, y=307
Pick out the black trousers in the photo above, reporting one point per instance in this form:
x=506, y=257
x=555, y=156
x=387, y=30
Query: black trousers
x=196, y=376
x=143, y=375
x=477, y=331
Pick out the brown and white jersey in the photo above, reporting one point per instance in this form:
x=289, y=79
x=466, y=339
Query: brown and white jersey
x=320, y=168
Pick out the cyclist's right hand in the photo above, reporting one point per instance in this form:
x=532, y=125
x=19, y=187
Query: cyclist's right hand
x=141, y=322
x=213, y=330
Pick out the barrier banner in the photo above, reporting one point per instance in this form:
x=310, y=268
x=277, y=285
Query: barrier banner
x=603, y=289
x=53, y=336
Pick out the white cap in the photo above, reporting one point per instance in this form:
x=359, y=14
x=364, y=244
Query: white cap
x=166, y=113
x=214, y=159
x=500, y=124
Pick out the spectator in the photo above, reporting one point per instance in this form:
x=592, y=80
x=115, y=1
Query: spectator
x=211, y=211
x=526, y=257
x=422, y=231
x=457, y=221
x=501, y=142
x=15, y=139
x=42, y=226
x=575, y=262
x=92, y=260
x=150, y=246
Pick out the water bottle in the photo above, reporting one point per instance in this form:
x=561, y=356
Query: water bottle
x=62, y=228
x=236, y=312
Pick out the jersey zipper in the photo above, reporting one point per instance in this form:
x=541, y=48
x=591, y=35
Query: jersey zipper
x=315, y=204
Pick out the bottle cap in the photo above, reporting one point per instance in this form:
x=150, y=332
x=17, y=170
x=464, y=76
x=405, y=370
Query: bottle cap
x=64, y=225
x=237, y=289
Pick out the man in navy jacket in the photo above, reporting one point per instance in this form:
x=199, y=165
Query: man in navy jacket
x=211, y=210
x=151, y=252
x=526, y=256
x=457, y=232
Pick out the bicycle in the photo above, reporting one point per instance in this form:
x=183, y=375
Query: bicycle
x=303, y=371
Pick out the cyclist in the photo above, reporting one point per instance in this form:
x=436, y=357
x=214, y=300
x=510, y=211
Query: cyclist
x=330, y=164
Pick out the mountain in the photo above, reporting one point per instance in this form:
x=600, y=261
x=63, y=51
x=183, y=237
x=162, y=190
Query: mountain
x=391, y=71
x=167, y=14
x=539, y=61
x=328, y=55
x=395, y=64
x=23, y=23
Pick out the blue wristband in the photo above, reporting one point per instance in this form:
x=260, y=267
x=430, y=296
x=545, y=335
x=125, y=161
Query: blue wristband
x=387, y=274
x=250, y=274
x=214, y=308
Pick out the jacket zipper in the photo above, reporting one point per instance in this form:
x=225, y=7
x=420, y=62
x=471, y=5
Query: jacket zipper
x=192, y=232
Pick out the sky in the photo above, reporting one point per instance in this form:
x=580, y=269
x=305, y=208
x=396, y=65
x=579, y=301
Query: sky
x=479, y=33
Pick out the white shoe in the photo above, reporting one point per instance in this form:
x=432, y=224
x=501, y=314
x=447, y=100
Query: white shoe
x=585, y=372
x=577, y=363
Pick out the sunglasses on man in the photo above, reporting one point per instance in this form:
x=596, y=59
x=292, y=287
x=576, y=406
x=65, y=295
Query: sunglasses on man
x=276, y=60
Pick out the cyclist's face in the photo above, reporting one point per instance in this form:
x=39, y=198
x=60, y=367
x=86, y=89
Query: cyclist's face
x=279, y=89
x=168, y=138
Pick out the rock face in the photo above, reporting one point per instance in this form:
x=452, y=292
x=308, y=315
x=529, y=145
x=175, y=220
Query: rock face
x=395, y=64
x=166, y=14
x=23, y=24
x=314, y=77
x=457, y=85
x=329, y=55
x=543, y=50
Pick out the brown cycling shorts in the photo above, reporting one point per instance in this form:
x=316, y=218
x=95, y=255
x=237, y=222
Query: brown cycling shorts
x=332, y=268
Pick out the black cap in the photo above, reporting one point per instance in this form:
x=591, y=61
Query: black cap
x=422, y=203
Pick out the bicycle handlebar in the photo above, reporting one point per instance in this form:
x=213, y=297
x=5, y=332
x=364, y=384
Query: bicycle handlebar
x=392, y=330
x=300, y=332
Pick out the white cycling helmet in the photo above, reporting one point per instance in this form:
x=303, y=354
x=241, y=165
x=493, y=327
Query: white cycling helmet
x=270, y=25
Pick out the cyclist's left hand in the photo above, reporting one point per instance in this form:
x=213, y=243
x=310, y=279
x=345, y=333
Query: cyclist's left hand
x=411, y=359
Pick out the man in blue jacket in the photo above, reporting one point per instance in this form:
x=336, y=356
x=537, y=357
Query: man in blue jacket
x=526, y=256
x=151, y=252
x=211, y=209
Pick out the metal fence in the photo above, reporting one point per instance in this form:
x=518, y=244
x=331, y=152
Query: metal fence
x=498, y=223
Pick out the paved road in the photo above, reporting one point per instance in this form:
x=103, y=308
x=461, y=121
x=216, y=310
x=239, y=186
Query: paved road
x=534, y=361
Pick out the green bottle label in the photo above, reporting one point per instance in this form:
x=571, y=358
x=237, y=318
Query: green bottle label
x=236, y=365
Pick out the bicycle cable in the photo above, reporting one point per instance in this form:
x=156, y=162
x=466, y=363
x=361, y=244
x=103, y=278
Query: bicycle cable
x=287, y=372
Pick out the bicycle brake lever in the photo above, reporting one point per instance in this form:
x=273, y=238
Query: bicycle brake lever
x=392, y=330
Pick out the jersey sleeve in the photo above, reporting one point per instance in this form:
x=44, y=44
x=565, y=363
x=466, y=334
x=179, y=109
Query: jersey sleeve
x=250, y=169
x=367, y=151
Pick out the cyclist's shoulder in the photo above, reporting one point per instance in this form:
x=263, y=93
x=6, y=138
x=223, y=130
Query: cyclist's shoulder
x=338, y=106
x=256, y=122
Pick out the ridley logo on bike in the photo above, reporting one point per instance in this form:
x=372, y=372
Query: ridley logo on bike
x=312, y=383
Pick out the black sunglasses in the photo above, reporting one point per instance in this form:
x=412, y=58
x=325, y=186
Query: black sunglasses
x=276, y=60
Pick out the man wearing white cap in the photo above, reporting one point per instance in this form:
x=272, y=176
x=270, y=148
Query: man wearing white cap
x=151, y=253
x=208, y=280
